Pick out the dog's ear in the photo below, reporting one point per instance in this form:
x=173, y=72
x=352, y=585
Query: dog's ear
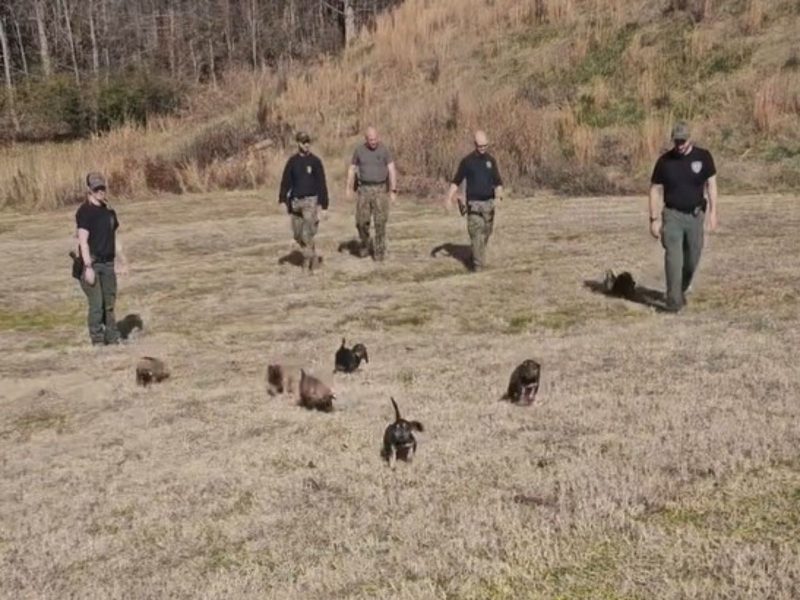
x=416, y=425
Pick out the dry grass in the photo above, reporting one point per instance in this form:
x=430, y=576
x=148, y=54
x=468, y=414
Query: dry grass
x=661, y=460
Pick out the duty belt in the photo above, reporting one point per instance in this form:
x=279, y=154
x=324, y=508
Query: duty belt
x=371, y=183
x=694, y=211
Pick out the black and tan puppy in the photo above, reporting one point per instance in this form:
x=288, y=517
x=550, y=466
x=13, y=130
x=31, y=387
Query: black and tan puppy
x=398, y=439
x=524, y=383
x=150, y=370
x=282, y=378
x=347, y=359
x=314, y=394
x=622, y=285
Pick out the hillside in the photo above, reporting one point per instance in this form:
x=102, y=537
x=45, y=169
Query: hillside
x=660, y=460
x=577, y=95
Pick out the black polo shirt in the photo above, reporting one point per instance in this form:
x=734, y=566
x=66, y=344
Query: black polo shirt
x=101, y=222
x=481, y=173
x=304, y=176
x=684, y=177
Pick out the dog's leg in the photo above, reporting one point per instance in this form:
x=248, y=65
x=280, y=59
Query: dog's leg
x=392, y=457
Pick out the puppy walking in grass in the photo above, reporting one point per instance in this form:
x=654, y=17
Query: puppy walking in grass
x=398, y=439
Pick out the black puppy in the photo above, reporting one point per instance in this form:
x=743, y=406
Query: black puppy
x=347, y=360
x=151, y=370
x=622, y=285
x=398, y=439
x=524, y=383
x=128, y=324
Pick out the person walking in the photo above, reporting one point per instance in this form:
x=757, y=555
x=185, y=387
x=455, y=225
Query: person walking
x=684, y=187
x=100, y=259
x=304, y=191
x=484, y=187
x=373, y=172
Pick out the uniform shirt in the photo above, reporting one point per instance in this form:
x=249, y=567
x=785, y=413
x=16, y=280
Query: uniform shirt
x=373, y=165
x=684, y=177
x=304, y=176
x=101, y=222
x=481, y=173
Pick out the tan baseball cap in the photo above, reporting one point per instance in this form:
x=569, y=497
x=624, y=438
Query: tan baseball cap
x=680, y=131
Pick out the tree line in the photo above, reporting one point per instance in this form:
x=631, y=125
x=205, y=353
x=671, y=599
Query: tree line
x=88, y=45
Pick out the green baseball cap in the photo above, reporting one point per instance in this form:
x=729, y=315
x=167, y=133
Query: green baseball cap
x=680, y=131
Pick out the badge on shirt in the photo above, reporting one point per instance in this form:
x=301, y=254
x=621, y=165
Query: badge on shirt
x=308, y=169
x=488, y=164
x=697, y=166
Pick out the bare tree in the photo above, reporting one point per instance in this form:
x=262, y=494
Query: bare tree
x=44, y=47
x=7, y=69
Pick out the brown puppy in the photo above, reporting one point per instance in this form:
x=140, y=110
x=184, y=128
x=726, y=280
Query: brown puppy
x=282, y=378
x=150, y=370
x=524, y=383
x=314, y=394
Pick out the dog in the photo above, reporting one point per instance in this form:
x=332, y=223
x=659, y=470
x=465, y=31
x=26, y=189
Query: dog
x=128, y=324
x=348, y=360
x=524, y=383
x=282, y=378
x=398, y=439
x=621, y=286
x=151, y=370
x=314, y=394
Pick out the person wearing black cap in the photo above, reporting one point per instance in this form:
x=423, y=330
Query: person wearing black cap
x=304, y=190
x=100, y=252
x=483, y=186
x=684, y=182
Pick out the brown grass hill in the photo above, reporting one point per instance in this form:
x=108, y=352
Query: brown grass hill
x=577, y=96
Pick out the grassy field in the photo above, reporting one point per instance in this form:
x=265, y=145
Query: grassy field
x=660, y=461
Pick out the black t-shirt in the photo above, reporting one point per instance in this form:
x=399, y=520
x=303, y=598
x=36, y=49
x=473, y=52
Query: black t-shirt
x=304, y=176
x=684, y=177
x=481, y=173
x=101, y=222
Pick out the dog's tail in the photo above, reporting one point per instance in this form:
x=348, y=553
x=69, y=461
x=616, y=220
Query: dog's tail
x=343, y=343
x=396, y=410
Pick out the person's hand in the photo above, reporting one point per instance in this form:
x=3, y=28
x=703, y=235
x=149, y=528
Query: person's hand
x=121, y=268
x=324, y=212
x=392, y=197
x=711, y=221
x=89, y=275
x=656, y=228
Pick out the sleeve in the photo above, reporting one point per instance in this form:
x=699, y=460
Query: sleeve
x=657, y=178
x=460, y=173
x=322, y=185
x=498, y=181
x=82, y=219
x=285, y=182
x=355, y=161
x=711, y=168
x=389, y=156
x=116, y=220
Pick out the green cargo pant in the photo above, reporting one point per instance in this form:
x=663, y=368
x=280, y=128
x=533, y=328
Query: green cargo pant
x=480, y=224
x=682, y=238
x=372, y=204
x=305, y=222
x=102, y=296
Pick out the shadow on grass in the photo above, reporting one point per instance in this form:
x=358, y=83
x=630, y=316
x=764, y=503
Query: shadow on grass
x=641, y=294
x=461, y=252
x=352, y=247
x=294, y=258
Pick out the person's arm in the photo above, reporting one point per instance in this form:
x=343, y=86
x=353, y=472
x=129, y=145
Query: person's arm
x=498, y=181
x=283, y=194
x=351, y=175
x=392, y=181
x=322, y=185
x=655, y=205
x=457, y=179
x=83, y=247
x=712, y=215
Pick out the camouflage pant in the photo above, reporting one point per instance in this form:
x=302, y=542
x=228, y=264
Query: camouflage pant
x=372, y=204
x=305, y=222
x=480, y=223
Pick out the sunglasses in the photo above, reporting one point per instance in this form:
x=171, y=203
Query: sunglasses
x=99, y=188
x=481, y=146
x=679, y=142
